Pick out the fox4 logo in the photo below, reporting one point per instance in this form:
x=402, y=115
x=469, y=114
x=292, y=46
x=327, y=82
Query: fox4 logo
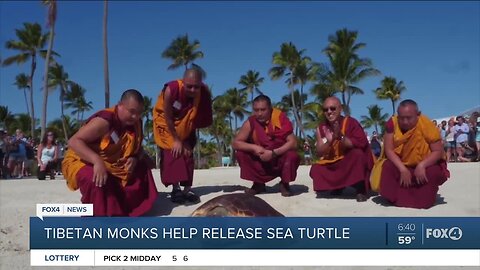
x=454, y=233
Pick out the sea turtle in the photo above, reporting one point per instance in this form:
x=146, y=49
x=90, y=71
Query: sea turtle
x=236, y=205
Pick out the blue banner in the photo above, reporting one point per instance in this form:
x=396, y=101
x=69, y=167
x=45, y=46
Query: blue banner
x=255, y=233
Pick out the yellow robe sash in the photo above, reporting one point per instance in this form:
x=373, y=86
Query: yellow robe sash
x=413, y=146
x=127, y=145
x=335, y=152
x=183, y=126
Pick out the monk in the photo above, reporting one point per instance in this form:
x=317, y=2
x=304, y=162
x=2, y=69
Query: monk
x=344, y=151
x=415, y=165
x=105, y=160
x=266, y=148
x=182, y=107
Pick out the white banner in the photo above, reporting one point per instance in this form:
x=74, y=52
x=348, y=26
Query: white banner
x=214, y=257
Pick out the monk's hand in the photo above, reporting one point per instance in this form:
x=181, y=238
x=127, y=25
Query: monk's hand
x=258, y=150
x=130, y=164
x=421, y=174
x=99, y=173
x=187, y=150
x=266, y=155
x=177, y=149
x=405, y=177
x=328, y=134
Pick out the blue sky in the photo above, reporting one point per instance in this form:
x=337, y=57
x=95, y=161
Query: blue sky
x=433, y=47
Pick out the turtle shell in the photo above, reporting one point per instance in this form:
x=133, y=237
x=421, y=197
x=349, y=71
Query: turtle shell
x=236, y=205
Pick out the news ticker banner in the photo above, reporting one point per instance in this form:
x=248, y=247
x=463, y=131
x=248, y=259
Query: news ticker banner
x=255, y=257
x=275, y=233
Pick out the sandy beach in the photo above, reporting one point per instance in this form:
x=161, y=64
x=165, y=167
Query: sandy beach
x=459, y=196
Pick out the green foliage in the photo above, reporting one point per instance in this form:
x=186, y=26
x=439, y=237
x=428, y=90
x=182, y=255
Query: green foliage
x=374, y=118
x=182, y=52
x=391, y=90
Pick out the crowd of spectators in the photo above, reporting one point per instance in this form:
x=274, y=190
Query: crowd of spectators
x=21, y=156
x=461, y=138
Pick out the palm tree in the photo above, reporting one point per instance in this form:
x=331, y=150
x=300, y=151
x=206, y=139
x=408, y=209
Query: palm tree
x=6, y=118
x=105, y=55
x=390, y=89
x=75, y=99
x=31, y=42
x=374, y=118
x=51, y=19
x=58, y=125
x=346, y=67
x=251, y=81
x=59, y=78
x=286, y=105
x=21, y=121
x=21, y=81
x=305, y=72
x=147, y=112
x=182, y=52
x=237, y=101
x=313, y=115
x=220, y=132
x=285, y=64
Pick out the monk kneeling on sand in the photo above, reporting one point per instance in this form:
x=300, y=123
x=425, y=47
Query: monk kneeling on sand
x=105, y=160
x=415, y=165
x=265, y=148
x=345, y=155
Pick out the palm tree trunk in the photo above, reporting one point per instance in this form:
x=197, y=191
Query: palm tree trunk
x=32, y=72
x=26, y=101
x=347, y=108
x=294, y=107
x=64, y=124
x=219, y=151
x=393, y=106
x=345, y=103
x=251, y=99
x=105, y=55
x=43, y=123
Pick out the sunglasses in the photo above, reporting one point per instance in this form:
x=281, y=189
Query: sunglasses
x=329, y=109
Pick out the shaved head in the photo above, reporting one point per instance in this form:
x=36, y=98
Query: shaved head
x=132, y=93
x=192, y=80
x=193, y=73
x=333, y=100
x=332, y=109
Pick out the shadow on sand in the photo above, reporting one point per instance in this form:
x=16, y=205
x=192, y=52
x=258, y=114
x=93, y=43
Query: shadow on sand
x=384, y=202
x=163, y=206
x=294, y=189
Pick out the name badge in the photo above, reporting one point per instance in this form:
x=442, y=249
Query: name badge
x=114, y=137
x=177, y=105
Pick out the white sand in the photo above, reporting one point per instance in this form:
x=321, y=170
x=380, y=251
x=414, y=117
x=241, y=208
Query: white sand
x=459, y=196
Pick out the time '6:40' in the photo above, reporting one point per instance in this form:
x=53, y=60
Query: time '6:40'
x=406, y=227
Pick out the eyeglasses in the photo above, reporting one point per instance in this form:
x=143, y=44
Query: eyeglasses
x=50, y=135
x=330, y=109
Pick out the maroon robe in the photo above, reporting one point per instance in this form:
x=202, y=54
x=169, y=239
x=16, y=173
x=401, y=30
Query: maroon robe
x=418, y=195
x=285, y=166
x=353, y=168
x=180, y=169
x=134, y=199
